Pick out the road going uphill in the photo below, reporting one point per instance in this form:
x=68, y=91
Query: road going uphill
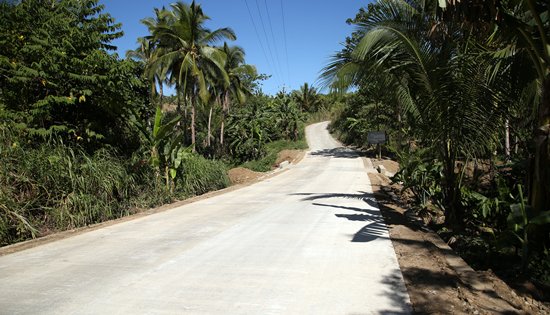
x=310, y=240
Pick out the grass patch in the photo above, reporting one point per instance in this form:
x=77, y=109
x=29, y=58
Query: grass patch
x=266, y=163
x=202, y=175
x=51, y=187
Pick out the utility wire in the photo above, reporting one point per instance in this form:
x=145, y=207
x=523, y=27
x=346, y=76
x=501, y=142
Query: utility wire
x=274, y=41
x=267, y=40
x=258, y=35
x=285, y=42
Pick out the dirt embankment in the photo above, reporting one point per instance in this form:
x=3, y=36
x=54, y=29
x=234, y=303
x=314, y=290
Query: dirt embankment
x=241, y=175
x=437, y=279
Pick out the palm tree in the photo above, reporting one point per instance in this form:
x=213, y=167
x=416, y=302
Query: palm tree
x=526, y=29
x=157, y=76
x=148, y=49
x=186, y=46
x=307, y=98
x=235, y=68
x=437, y=79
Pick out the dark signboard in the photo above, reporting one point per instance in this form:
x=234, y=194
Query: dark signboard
x=376, y=137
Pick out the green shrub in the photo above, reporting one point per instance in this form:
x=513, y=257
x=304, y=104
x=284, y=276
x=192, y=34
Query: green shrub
x=201, y=175
x=52, y=187
x=267, y=162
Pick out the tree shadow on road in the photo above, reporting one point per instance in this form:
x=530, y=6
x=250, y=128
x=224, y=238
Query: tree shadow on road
x=375, y=228
x=340, y=152
x=369, y=198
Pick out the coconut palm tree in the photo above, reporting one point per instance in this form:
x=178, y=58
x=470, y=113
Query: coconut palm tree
x=307, y=98
x=186, y=46
x=438, y=81
x=235, y=68
x=157, y=76
x=525, y=28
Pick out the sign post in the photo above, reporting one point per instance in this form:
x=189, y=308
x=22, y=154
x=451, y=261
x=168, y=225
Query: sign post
x=378, y=138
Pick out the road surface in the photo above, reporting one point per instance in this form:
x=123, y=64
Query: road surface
x=307, y=241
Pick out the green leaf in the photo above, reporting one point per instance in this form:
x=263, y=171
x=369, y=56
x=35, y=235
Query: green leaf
x=158, y=120
x=173, y=173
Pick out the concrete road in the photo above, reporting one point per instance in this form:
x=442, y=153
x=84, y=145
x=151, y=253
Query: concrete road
x=308, y=241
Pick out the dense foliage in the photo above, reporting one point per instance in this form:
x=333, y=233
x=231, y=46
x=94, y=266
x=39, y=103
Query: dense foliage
x=462, y=89
x=58, y=78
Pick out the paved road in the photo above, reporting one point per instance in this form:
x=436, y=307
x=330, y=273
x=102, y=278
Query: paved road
x=308, y=241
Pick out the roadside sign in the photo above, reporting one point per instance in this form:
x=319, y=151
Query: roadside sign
x=376, y=137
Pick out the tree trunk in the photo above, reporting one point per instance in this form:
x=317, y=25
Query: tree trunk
x=221, y=131
x=539, y=193
x=208, y=142
x=161, y=92
x=453, y=215
x=193, y=135
x=225, y=111
x=507, y=151
x=178, y=105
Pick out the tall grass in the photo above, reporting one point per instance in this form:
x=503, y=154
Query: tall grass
x=202, y=175
x=51, y=187
x=267, y=162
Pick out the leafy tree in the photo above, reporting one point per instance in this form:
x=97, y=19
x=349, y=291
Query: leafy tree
x=526, y=28
x=58, y=78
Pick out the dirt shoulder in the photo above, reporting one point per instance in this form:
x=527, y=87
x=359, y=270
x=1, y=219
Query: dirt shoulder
x=437, y=279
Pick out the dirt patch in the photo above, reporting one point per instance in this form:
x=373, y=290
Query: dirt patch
x=241, y=175
x=438, y=281
x=389, y=165
x=292, y=156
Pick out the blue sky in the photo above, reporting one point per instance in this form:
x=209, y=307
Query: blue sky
x=314, y=31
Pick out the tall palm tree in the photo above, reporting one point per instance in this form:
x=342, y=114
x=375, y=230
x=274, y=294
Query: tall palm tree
x=157, y=76
x=525, y=27
x=158, y=73
x=307, y=98
x=235, y=68
x=186, y=45
x=439, y=81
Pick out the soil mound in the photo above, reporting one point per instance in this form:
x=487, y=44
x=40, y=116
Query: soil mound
x=241, y=175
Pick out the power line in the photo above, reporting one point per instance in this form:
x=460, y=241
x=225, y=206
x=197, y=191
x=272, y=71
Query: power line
x=258, y=35
x=274, y=41
x=285, y=41
x=267, y=41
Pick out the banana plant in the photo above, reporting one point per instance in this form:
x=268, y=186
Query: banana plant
x=168, y=150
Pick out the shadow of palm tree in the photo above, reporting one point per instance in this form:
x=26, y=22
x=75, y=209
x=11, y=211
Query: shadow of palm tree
x=369, y=198
x=340, y=152
x=373, y=230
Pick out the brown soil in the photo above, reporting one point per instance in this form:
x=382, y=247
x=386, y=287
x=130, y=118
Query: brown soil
x=437, y=279
x=389, y=165
x=241, y=175
x=292, y=156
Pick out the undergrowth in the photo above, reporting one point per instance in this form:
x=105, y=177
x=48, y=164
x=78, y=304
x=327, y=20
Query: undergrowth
x=267, y=162
x=53, y=187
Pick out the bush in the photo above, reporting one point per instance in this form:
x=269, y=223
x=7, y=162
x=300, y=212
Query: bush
x=55, y=187
x=201, y=175
x=273, y=148
x=52, y=187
